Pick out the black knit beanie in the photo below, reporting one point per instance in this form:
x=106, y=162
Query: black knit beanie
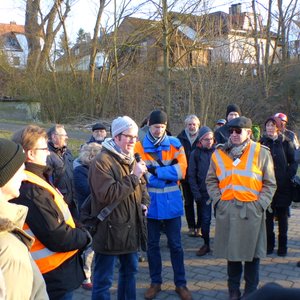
x=12, y=156
x=158, y=117
x=233, y=108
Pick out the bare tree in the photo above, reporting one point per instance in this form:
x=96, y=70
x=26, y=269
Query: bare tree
x=42, y=26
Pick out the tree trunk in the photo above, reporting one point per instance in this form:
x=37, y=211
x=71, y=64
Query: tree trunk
x=166, y=57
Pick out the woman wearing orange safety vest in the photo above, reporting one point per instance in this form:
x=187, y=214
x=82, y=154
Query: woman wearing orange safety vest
x=58, y=243
x=241, y=183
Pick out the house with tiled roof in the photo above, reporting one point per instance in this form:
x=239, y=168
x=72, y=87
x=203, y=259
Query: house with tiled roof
x=80, y=56
x=196, y=40
x=13, y=44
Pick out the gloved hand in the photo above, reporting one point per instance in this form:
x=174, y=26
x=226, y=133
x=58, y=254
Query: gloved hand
x=152, y=170
x=198, y=199
x=215, y=208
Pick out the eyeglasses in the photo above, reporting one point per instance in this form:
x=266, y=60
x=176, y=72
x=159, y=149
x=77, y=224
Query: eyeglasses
x=130, y=137
x=208, y=139
x=236, y=130
x=60, y=134
x=43, y=149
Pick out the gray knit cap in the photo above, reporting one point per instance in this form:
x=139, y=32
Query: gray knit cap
x=121, y=124
x=203, y=131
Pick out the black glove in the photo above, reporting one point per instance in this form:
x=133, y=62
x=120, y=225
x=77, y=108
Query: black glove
x=198, y=199
x=152, y=170
x=215, y=207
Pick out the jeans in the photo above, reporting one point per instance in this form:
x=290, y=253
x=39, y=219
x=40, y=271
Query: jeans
x=103, y=276
x=189, y=207
x=67, y=296
x=251, y=275
x=172, y=230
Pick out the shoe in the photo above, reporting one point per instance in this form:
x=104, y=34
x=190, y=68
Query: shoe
x=152, y=291
x=270, y=251
x=190, y=231
x=234, y=295
x=87, y=286
x=282, y=252
x=195, y=233
x=183, y=293
x=203, y=250
x=142, y=258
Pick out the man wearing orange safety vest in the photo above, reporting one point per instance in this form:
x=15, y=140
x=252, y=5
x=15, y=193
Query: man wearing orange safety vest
x=241, y=183
x=58, y=243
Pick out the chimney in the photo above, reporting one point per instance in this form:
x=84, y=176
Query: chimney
x=235, y=9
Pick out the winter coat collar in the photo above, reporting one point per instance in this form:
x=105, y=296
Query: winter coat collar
x=12, y=219
x=110, y=145
x=58, y=151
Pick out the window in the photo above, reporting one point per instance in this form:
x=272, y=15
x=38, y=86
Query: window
x=16, y=61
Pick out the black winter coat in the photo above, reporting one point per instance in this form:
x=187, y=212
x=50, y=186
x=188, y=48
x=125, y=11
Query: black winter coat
x=47, y=223
x=198, y=167
x=285, y=167
x=81, y=183
x=222, y=134
x=61, y=163
x=188, y=148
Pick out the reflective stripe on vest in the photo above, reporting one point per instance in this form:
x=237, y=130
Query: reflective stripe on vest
x=242, y=181
x=167, y=189
x=45, y=259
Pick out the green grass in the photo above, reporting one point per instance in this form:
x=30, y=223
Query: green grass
x=73, y=144
x=5, y=134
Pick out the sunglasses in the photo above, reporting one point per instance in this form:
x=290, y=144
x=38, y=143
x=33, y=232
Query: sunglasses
x=236, y=130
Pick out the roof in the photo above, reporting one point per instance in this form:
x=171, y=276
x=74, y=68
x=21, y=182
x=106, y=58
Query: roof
x=12, y=27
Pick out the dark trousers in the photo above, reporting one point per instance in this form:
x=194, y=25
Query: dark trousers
x=282, y=214
x=251, y=275
x=189, y=207
x=205, y=213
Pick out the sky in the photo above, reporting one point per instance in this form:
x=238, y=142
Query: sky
x=83, y=12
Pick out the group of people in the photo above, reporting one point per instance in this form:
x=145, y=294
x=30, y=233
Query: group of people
x=135, y=181
x=245, y=182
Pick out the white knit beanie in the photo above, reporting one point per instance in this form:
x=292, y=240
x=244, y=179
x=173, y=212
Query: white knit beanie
x=121, y=124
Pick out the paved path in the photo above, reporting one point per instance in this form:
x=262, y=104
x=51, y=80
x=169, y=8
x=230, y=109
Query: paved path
x=206, y=276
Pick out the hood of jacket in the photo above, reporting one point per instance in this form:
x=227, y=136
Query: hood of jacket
x=12, y=219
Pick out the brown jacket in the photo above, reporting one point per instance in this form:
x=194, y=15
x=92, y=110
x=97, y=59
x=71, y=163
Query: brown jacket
x=111, y=181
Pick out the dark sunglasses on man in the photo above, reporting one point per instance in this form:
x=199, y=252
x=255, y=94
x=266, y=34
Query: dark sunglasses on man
x=236, y=130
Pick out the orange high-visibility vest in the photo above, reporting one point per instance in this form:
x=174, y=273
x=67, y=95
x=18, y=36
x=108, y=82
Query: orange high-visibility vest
x=45, y=259
x=240, y=179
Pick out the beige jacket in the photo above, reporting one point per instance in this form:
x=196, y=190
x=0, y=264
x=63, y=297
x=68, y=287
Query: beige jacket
x=22, y=279
x=240, y=226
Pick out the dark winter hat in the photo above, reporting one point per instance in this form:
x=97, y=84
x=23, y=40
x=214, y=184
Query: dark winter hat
x=233, y=108
x=98, y=126
x=12, y=156
x=240, y=122
x=276, y=121
x=221, y=121
x=203, y=131
x=158, y=117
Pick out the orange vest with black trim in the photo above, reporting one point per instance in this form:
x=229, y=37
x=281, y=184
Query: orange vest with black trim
x=240, y=179
x=45, y=259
